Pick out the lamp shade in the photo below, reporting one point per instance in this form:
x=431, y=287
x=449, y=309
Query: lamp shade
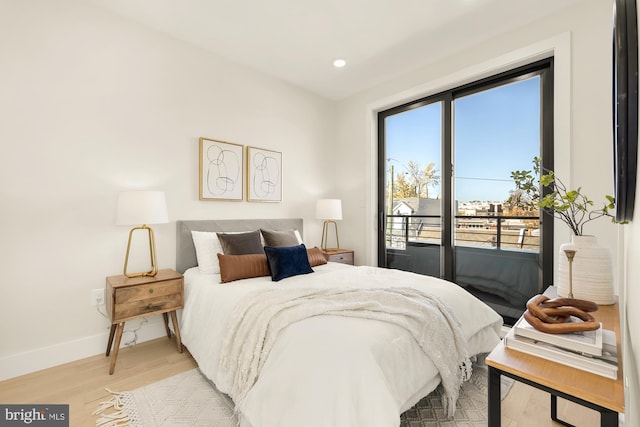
x=329, y=209
x=141, y=207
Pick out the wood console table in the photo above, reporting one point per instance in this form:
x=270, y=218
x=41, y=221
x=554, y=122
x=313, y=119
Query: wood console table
x=602, y=394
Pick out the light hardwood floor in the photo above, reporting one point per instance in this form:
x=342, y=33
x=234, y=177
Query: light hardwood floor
x=82, y=384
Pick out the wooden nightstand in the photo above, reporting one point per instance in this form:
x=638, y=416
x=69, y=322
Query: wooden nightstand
x=130, y=298
x=344, y=256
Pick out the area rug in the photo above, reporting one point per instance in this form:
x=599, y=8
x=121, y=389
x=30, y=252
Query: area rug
x=189, y=399
x=471, y=407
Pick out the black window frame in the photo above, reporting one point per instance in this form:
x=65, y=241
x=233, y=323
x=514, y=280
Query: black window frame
x=543, y=68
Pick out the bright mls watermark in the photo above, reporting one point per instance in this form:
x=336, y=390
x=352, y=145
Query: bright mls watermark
x=34, y=415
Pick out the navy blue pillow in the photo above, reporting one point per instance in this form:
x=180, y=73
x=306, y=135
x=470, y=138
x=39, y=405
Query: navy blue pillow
x=287, y=261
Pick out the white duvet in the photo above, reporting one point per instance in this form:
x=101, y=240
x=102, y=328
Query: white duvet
x=330, y=370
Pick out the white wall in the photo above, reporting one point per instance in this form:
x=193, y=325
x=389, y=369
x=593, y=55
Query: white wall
x=580, y=38
x=630, y=315
x=91, y=104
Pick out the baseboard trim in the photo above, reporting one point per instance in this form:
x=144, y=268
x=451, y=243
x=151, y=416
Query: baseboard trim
x=38, y=359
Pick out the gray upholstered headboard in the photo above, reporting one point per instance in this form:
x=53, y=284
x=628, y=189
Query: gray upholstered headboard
x=186, y=252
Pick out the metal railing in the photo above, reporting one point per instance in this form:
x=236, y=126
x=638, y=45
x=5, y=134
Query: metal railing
x=511, y=232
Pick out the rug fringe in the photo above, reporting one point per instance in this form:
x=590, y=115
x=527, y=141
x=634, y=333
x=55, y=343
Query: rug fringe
x=113, y=419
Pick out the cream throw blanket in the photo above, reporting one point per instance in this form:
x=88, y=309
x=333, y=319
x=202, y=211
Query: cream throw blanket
x=257, y=320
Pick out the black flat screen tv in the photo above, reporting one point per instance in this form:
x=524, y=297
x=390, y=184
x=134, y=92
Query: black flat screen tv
x=625, y=106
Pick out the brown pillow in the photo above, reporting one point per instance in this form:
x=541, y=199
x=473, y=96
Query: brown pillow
x=236, y=267
x=279, y=238
x=241, y=243
x=316, y=257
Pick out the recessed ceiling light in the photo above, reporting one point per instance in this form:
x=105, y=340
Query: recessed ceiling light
x=339, y=63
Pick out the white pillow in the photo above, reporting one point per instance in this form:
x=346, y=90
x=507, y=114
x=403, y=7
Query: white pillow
x=207, y=248
x=298, y=236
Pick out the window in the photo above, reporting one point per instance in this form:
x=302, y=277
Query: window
x=444, y=176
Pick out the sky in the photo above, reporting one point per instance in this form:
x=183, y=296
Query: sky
x=495, y=132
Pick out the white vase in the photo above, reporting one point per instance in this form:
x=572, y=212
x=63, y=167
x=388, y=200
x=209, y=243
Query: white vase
x=592, y=271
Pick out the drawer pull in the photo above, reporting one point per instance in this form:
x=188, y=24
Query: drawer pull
x=150, y=306
x=151, y=290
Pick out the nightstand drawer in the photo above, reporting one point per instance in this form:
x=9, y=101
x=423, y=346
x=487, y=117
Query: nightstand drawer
x=344, y=257
x=148, y=291
x=148, y=305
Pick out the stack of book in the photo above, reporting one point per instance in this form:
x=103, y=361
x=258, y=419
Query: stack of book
x=593, y=351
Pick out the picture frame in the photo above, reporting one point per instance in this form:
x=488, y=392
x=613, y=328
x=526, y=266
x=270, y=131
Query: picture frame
x=220, y=170
x=264, y=175
x=625, y=107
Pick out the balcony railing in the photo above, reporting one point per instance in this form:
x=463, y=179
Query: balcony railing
x=500, y=232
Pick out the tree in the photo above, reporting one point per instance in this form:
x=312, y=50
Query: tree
x=430, y=178
x=421, y=179
x=519, y=203
x=402, y=189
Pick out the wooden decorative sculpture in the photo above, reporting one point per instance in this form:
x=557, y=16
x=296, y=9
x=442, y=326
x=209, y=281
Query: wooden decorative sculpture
x=552, y=315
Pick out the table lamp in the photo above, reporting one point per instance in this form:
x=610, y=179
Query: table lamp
x=142, y=207
x=329, y=210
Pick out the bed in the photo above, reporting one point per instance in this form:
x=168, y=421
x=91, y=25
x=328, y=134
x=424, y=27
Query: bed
x=352, y=362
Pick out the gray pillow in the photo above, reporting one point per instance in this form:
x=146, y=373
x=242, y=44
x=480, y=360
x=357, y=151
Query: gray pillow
x=241, y=243
x=279, y=238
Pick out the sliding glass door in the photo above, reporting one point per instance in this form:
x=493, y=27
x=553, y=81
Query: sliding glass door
x=413, y=188
x=445, y=186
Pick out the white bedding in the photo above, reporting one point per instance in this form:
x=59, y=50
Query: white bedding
x=330, y=370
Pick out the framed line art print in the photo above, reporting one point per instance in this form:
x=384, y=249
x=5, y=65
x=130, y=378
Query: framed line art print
x=220, y=176
x=264, y=175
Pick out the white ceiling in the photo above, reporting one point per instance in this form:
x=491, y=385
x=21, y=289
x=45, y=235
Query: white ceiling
x=297, y=40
